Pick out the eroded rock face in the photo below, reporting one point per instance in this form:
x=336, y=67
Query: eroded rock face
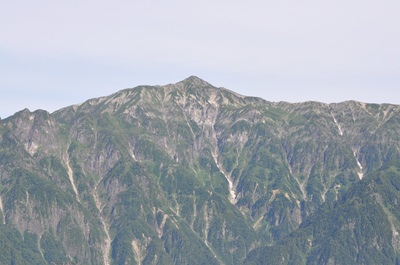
x=133, y=175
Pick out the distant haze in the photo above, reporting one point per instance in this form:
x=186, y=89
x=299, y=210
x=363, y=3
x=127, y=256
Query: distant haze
x=58, y=53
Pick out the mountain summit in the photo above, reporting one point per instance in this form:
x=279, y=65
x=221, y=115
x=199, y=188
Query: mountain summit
x=149, y=174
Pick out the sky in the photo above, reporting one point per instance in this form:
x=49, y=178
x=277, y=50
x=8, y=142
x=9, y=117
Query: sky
x=57, y=53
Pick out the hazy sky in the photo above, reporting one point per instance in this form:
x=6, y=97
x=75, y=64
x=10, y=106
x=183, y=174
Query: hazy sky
x=58, y=53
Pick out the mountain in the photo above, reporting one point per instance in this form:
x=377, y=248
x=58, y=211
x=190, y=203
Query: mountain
x=148, y=175
x=359, y=228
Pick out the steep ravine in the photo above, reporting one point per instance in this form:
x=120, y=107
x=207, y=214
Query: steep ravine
x=71, y=176
x=214, y=153
x=232, y=192
x=107, y=243
x=2, y=211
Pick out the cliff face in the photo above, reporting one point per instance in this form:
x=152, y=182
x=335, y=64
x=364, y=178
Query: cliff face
x=148, y=174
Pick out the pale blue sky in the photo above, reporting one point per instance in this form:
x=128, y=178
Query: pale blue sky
x=58, y=53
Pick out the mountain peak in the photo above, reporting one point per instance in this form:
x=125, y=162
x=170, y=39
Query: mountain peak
x=195, y=80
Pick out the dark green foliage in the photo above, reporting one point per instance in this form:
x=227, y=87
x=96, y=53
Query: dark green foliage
x=185, y=247
x=53, y=250
x=16, y=249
